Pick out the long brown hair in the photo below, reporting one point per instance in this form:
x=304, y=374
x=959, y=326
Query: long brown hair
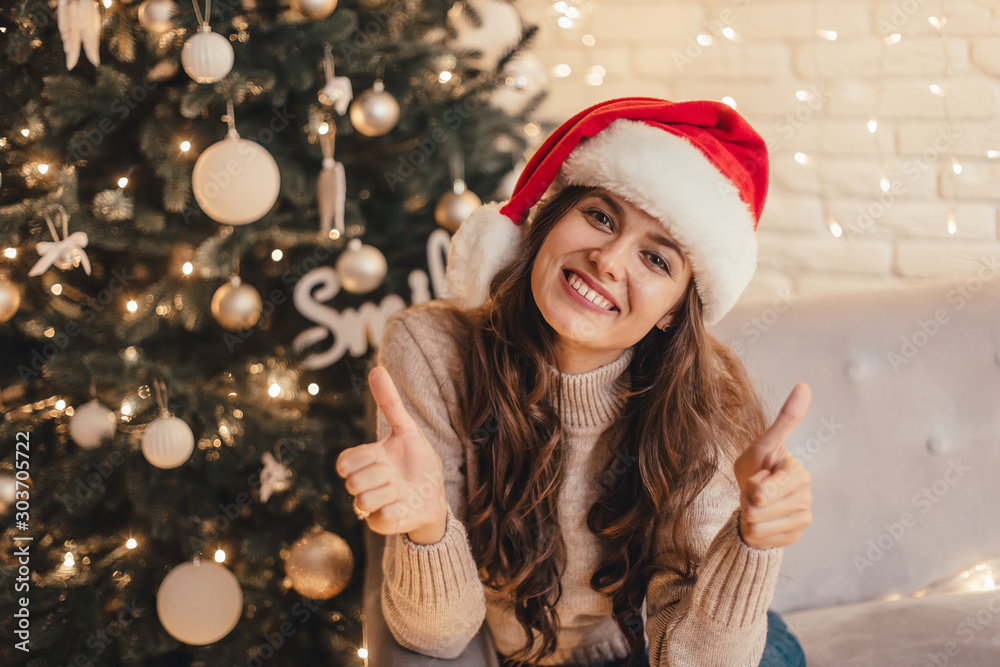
x=690, y=409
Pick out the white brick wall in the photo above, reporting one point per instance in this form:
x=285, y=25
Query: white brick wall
x=649, y=47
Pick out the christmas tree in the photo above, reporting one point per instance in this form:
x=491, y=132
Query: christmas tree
x=208, y=211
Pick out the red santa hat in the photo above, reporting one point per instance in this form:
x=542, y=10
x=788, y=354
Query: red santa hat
x=697, y=167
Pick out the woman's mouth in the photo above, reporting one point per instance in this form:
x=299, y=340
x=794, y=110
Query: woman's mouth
x=582, y=294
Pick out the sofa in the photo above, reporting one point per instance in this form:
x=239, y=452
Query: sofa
x=902, y=441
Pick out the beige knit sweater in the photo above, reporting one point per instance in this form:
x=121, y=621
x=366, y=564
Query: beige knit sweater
x=432, y=597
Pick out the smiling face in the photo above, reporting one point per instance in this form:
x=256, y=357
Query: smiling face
x=606, y=274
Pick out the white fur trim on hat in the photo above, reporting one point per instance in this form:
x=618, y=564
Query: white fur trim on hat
x=483, y=245
x=670, y=179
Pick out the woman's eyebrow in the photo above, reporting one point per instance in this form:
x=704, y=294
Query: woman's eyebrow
x=652, y=236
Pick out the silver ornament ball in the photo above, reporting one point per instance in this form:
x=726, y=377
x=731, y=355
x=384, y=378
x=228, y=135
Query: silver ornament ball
x=362, y=268
x=374, y=112
x=92, y=423
x=453, y=209
x=157, y=16
x=237, y=306
x=314, y=9
x=10, y=299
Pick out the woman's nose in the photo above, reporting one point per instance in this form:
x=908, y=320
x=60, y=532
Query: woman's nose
x=609, y=260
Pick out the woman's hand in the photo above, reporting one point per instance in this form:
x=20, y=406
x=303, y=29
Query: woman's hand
x=775, y=497
x=397, y=482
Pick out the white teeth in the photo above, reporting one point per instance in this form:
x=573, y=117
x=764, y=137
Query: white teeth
x=589, y=294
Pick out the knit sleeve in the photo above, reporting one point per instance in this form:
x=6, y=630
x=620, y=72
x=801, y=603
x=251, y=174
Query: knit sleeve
x=432, y=598
x=719, y=619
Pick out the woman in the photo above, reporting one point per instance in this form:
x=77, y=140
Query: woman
x=570, y=455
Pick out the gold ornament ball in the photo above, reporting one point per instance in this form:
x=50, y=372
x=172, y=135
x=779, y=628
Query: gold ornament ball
x=361, y=267
x=157, y=16
x=320, y=565
x=452, y=209
x=374, y=112
x=314, y=9
x=236, y=306
x=10, y=299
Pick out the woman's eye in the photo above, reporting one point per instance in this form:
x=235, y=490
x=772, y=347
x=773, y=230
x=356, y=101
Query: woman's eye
x=659, y=262
x=600, y=216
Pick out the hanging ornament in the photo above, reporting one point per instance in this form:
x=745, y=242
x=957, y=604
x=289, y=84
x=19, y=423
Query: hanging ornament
x=314, y=9
x=375, y=111
x=207, y=56
x=331, y=191
x=64, y=253
x=235, y=181
x=167, y=442
x=362, y=268
x=320, y=565
x=274, y=478
x=8, y=491
x=91, y=424
x=236, y=306
x=338, y=90
x=80, y=25
x=157, y=16
x=454, y=207
x=199, y=602
x=484, y=31
x=10, y=299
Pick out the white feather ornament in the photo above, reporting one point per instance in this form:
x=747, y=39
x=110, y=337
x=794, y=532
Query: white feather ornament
x=80, y=25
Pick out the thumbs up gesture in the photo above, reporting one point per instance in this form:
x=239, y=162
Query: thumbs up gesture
x=775, y=496
x=397, y=482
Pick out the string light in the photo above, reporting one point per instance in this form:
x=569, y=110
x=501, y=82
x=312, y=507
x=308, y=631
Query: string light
x=313, y=389
x=122, y=182
x=185, y=146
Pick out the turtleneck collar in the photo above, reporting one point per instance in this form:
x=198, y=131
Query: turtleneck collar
x=592, y=398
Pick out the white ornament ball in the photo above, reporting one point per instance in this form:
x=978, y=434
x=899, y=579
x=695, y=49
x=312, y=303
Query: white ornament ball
x=453, y=209
x=314, y=9
x=320, y=565
x=235, y=181
x=157, y=16
x=237, y=306
x=524, y=79
x=167, y=442
x=199, y=602
x=207, y=56
x=92, y=423
x=10, y=299
x=491, y=38
x=374, y=112
x=362, y=268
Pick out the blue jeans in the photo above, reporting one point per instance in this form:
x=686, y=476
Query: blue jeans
x=782, y=648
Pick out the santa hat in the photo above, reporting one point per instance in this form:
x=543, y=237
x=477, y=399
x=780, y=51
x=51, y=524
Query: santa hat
x=697, y=167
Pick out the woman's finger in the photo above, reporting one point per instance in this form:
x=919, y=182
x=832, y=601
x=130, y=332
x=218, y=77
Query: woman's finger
x=797, y=501
x=370, y=477
x=355, y=458
x=373, y=500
